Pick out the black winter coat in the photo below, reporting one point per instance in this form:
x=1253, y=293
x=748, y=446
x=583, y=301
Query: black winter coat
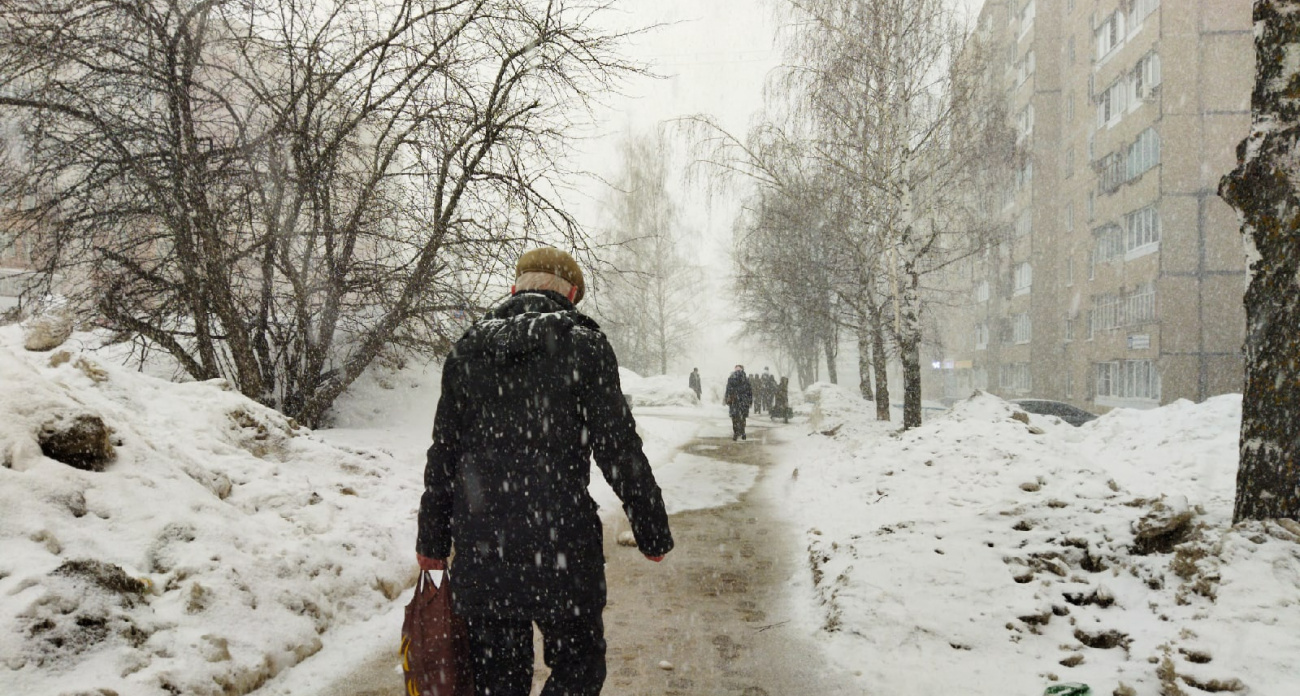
x=740, y=395
x=528, y=395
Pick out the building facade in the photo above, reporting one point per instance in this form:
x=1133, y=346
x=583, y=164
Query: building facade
x=1120, y=278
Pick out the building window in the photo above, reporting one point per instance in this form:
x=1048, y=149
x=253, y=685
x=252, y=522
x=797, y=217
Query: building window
x=1127, y=379
x=1130, y=162
x=1025, y=68
x=1069, y=107
x=1015, y=377
x=1022, y=329
x=1105, y=312
x=1025, y=123
x=1109, y=243
x=981, y=336
x=1110, y=34
x=1091, y=206
x=1140, y=305
x=1069, y=50
x=1087, y=322
x=1024, y=278
x=1069, y=217
x=1111, y=172
x=982, y=291
x=1142, y=229
x=1143, y=154
x=1069, y=329
x=1069, y=384
x=1146, y=77
x=1025, y=176
x=1069, y=163
x=1069, y=270
x=1026, y=17
x=1143, y=9
x=1112, y=102
x=1025, y=223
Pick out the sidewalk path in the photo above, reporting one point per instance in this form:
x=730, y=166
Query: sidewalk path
x=715, y=609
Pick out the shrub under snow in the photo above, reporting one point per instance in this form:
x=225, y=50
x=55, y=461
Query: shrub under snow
x=218, y=544
x=657, y=390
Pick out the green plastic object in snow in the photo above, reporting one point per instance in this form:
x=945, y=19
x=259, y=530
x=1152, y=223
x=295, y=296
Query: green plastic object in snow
x=1068, y=690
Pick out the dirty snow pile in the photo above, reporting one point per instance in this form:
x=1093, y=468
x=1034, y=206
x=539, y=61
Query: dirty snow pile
x=657, y=390
x=208, y=547
x=995, y=552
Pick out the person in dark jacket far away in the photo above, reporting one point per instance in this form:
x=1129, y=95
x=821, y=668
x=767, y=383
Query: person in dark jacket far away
x=529, y=394
x=695, y=382
x=756, y=392
x=739, y=397
x=769, y=389
x=781, y=400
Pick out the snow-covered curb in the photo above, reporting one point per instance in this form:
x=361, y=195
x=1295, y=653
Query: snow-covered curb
x=986, y=554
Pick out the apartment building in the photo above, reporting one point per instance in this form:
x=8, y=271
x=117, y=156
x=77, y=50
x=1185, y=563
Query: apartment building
x=1120, y=279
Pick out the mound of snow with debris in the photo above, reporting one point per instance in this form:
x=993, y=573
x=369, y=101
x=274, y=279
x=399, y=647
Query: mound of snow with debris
x=659, y=390
x=216, y=546
x=992, y=551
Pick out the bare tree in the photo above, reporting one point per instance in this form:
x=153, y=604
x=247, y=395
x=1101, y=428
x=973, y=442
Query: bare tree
x=647, y=303
x=887, y=84
x=277, y=192
x=1263, y=188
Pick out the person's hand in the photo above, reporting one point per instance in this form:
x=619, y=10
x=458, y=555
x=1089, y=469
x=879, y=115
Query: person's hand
x=427, y=563
x=656, y=559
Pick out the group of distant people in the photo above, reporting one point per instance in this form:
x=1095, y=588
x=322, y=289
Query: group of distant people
x=761, y=392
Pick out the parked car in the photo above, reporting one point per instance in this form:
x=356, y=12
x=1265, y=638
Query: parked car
x=1070, y=414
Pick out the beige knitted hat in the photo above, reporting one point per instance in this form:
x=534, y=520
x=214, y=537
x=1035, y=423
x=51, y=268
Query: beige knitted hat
x=553, y=261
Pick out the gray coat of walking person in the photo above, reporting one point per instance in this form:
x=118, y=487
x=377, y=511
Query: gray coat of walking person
x=529, y=395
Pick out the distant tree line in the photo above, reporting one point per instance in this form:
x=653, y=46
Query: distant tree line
x=279, y=191
x=869, y=173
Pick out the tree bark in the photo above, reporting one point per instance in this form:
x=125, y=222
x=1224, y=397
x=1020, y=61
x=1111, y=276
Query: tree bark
x=880, y=360
x=1263, y=189
x=864, y=358
x=832, y=348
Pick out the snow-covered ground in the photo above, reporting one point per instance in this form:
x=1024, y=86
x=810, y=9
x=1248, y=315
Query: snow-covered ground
x=987, y=552
x=216, y=549
x=223, y=544
x=981, y=554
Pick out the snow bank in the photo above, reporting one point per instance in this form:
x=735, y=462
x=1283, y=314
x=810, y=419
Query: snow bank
x=659, y=390
x=213, y=552
x=993, y=552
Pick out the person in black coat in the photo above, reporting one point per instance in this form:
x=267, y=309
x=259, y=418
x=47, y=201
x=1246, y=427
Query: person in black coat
x=738, y=397
x=694, y=382
x=529, y=394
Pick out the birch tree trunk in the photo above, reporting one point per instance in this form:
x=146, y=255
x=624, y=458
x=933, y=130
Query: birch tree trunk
x=880, y=360
x=1263, y=189
x=864, y=357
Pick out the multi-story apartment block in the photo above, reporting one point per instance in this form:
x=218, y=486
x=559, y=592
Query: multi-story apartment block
x=1121, y=276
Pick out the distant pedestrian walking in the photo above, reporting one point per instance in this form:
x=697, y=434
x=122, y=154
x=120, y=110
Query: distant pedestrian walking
x=755, y=392
x=695, y=382
x=769, y=389
x=738, y=398
x=781, y=401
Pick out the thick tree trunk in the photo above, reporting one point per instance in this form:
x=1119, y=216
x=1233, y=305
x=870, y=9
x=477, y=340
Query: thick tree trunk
x=864, y=358
x=1263, y=189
